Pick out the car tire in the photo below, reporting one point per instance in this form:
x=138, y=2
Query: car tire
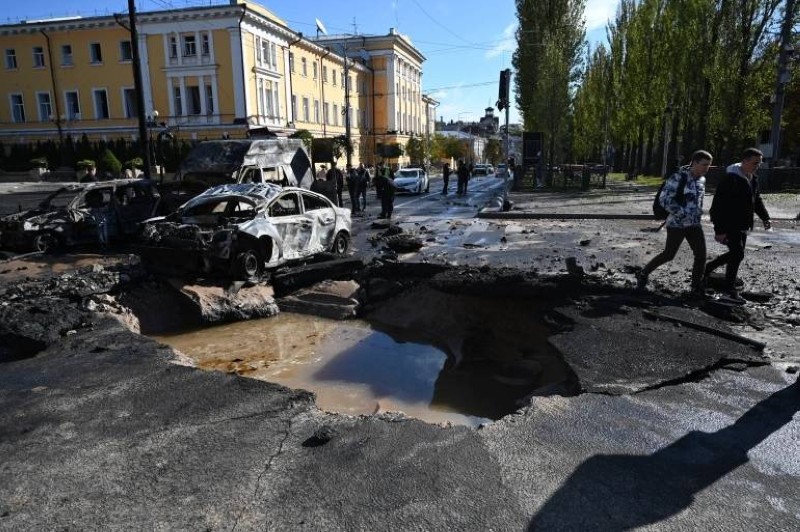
x=248, y=264
x=341, y=244
x=45, y=242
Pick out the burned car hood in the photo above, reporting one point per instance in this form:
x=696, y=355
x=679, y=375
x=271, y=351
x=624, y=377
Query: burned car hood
x=37, y=216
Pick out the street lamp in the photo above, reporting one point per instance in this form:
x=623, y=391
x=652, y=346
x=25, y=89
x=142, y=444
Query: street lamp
x=152, y=123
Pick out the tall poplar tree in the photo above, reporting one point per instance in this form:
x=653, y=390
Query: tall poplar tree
x=548, y=62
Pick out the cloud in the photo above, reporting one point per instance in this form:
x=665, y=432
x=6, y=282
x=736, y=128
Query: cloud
x=439, y=95
x=598, y=12
x=508, y=43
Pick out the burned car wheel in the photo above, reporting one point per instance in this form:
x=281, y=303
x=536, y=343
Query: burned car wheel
x=248, y=264
x=45, y=242
x=341, y=243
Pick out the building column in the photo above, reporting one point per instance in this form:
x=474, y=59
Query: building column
x=240, y=87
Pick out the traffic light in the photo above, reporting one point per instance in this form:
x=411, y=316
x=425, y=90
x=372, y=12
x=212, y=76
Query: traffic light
x=502, y=99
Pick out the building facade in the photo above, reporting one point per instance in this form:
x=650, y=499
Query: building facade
x=208, y=73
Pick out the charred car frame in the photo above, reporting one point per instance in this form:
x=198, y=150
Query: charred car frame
x=95, y=213
x=244, y=229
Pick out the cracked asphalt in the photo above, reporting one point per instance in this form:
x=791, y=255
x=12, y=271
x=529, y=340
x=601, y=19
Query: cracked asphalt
x=102, y=430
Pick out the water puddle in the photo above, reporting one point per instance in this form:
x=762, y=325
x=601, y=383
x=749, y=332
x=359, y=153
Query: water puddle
x=355, y=369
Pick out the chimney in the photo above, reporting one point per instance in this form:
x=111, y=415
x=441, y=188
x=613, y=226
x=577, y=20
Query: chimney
x=392, y=31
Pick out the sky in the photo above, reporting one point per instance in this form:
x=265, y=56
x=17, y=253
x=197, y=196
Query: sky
x=466, y=43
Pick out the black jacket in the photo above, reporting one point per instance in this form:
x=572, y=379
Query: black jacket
x=735, y=201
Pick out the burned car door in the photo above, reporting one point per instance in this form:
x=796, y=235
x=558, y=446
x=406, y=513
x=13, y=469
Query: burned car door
x=91, y=210
x=291, y=224
x=134, y=203
x=322, y=216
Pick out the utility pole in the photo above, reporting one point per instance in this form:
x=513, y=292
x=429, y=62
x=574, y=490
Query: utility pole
x=503, y=103
x=349, y=146
x=785, y=53
x=144, y=140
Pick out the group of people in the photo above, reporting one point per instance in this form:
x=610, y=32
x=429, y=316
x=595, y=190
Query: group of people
x=330, y=182
x=736, y=202
x=463, y=172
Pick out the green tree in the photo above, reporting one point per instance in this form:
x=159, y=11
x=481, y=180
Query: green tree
x=493, y=152
x=305, y=135
x=415, y=149
x=548, y=61
x=108, y=162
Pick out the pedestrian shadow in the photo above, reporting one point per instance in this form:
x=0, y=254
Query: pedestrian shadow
x=621, y=492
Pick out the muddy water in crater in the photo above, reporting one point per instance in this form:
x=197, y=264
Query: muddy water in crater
x=351, y=368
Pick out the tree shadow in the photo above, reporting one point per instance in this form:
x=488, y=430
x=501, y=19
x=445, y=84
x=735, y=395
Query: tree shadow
x=620, y=492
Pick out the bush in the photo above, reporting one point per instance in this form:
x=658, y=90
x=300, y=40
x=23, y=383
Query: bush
x=108, y=163
x=136, y=162
x=39, y=162
x=83, y=164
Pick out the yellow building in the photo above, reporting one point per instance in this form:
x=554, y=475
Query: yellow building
x=208, y=72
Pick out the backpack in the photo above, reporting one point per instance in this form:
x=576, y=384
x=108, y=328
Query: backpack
x=659, y=212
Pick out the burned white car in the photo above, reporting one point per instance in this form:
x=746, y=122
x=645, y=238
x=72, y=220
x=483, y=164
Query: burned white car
x=244, y=229
x=85, y=214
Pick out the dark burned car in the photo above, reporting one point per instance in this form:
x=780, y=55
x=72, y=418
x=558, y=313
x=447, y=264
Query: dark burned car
x=244, y=229
x=94, y=213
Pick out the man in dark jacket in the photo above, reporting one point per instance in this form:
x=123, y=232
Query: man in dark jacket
x=335, y=175
x=737, y=198
x=463, y=177
x=445, y=177
x=384, y=181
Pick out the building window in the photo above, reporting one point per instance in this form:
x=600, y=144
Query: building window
x=205, y=46
x=265, y=52
x=17, y=109
x=173, y=47
x=316, y=111
x=314, y=69
x=193, y=100
x=38, y=57
x=125, y=52
x=73, y=105
x=305, y=109
x=324, y=74
x=100, y=104
x=274, y=55
x=66, y=55
x=11, y=59
x=335, y=115
x=294, y=107
x=291, y=62
x=334, y=77
x=129, y=101
x=176, y=97
x=350, y=82
x=209, y=100
x=95, y=53
x=189, y=46
x=302, y=64
x=326, y=114
x=45, y=109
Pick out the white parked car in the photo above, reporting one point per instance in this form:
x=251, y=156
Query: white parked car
x=412, y=180
x=244, y=229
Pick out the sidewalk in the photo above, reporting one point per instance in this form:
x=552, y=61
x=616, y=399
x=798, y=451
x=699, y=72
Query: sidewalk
x=618, y=201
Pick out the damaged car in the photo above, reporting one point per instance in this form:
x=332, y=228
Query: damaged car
x=244, y=229
x=94, y=213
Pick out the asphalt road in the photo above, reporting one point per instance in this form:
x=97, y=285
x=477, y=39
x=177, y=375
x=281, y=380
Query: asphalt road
x=103, y=431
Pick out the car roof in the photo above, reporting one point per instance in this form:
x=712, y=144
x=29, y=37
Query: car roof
x=256, y=190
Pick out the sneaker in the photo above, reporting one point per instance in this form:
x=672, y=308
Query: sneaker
x=734, y=297
x=641, y=280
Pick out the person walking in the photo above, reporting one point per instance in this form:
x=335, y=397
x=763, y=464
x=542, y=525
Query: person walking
x=352, y=187
x=682, y=197
x=463, y=177
x=335, y=175
x=736, y=200
x=362, y=176
x=321, y=185
x=378, y=181
x=445, y=177
x=385, y=182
